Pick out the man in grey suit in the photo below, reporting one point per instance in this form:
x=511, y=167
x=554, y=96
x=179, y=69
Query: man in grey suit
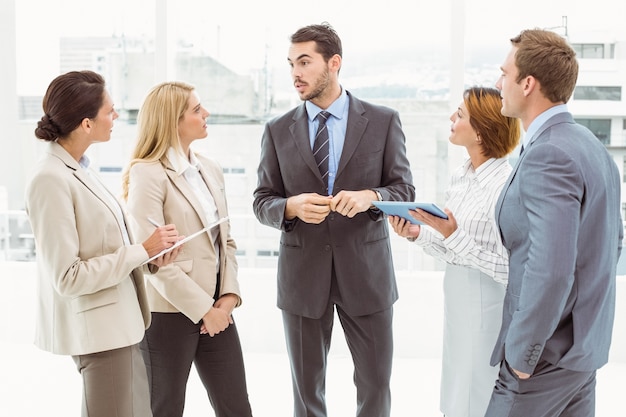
x=559, y=216
x=334, y=248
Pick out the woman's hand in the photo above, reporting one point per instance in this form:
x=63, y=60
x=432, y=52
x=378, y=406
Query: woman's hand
x=215, y=320
x=444, y=226
x=162, y=238
x=404, y=228
x=227, y=302
x=167, y=258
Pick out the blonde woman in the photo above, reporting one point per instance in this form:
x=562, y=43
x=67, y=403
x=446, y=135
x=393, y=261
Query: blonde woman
x=191, y=300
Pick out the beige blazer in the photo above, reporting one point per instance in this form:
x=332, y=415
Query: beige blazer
x=188, y=284
x=91, y=296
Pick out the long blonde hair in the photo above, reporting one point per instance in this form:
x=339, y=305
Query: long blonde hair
x=158, y=120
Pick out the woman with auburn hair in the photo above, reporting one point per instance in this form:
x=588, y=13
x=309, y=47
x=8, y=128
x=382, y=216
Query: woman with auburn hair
x=469, y=241
x=92, y=299
x=191, y=300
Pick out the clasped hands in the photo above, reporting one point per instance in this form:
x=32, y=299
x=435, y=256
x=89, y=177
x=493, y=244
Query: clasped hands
x=314, y=208
x=219, y=317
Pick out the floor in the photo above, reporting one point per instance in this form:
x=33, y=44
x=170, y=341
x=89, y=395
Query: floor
x=37, y=383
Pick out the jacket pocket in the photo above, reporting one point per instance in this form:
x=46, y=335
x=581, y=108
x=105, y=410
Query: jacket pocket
x=186, y=266
x=99, y=299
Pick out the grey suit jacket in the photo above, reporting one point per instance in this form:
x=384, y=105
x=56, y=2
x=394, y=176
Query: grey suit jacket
x=91, y=295
x=373, y=157
x=559, y=215
x=188, y=284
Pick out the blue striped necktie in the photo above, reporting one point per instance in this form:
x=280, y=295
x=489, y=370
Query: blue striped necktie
x=321, y=146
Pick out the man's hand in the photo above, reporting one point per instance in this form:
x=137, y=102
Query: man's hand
x=521, y=375
x=310, y=207
x=351, y=203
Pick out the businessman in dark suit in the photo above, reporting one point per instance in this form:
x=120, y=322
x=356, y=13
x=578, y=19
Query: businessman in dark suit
x=559, y=216
x=334, y=248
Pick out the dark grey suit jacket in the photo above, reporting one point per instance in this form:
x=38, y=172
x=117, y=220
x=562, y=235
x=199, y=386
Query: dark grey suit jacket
x=373, y=157
x=559, y=215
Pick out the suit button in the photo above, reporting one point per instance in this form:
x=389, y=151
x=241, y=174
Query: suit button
x=534, y=357
x=537, y=347
x=327, y=248
x=532, y=362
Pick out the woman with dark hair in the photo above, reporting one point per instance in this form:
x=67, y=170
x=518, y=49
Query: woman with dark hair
x=476, y=274
x=92, y=299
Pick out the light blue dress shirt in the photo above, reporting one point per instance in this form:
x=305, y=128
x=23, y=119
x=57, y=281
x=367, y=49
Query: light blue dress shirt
x=337, y=124
x=540, y=120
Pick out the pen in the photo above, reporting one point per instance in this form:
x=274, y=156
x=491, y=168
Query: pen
x=153, y=223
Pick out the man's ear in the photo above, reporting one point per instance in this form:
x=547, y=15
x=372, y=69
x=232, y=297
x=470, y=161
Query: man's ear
x=530, y=84
x=334, y=63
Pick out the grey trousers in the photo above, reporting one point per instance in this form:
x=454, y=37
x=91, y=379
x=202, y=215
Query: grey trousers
x=115, y=383
x=370, y=340
x=549, y=392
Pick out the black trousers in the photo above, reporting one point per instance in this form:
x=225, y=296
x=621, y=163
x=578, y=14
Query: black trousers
x=549, y=392
x=172, y=343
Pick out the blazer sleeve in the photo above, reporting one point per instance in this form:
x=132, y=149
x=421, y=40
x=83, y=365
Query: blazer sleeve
x=270, y=197
x=79, y=262
x=397, y=181
x=551, y=193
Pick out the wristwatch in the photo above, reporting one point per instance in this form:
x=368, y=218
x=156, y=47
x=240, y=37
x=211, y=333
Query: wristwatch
x=379, y=197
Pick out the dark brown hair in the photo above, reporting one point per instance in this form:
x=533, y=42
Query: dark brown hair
x=499, y=134
x=548, y=57
x=326, y=39
x=70, y=98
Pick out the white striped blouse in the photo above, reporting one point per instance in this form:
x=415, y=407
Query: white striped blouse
x=476, y=243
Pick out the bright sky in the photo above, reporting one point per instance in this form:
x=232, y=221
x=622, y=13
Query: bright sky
x=243, y=34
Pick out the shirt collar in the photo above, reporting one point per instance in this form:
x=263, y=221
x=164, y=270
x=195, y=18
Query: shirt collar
x=84, y=162
x=180, y=163
x=540, y=120
x=337, y=108
x=484, y=171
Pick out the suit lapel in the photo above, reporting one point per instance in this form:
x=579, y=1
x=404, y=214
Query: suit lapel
x=220, y=202
x=185, y=189
x=88, y=180
x=556, y=119
x=354, y=132
x=356, y=125
x=300, y=135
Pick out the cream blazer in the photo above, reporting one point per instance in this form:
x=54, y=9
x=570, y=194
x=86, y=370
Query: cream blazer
x=188, y=284
x=91, y=295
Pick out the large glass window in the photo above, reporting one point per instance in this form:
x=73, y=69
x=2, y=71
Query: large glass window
x=589, y=50
x=235, y=56
x=598, y=93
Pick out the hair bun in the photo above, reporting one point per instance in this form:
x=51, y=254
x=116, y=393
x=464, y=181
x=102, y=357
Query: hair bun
x=47, y=129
